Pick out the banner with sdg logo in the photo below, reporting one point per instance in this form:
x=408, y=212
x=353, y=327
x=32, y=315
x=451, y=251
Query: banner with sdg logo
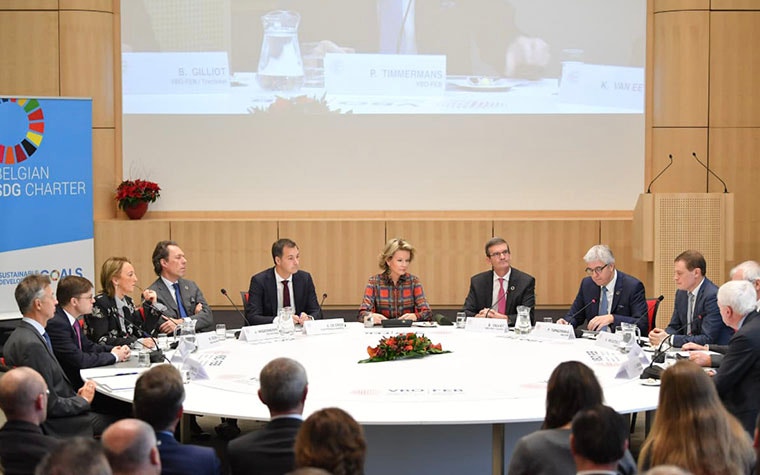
x=45, y=192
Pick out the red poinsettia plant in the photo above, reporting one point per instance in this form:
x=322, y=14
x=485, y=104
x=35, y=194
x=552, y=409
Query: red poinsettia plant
x=131, y=192
x=403, y=346
x=297, y=105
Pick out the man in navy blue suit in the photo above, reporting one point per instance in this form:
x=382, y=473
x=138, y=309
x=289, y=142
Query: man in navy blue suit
x=269, y=451
x=696, y=317
x=72, y=348
x=607, y=296
x=159, y=394
x=283, y=285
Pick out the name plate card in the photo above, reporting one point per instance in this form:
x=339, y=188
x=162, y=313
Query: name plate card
x=175, y=73
x=600, y=85
x=633, y=365
x=195, y=369
x=385, y=74
x=207, y=339
x=611, y=341
x=260, y=333
x=487, y=325
x=324, y=327
x=553, y=331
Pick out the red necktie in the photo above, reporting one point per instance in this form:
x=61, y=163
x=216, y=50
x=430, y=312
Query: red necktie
x=78, y=331
x=285, y=294
x=502, y=297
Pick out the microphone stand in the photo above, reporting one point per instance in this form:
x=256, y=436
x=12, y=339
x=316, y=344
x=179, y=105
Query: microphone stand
x=245, y=320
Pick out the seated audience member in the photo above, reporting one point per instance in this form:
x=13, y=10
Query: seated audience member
x=667, y=470
x=309, y=471
x=23, y=399
x=598, y=440
x=498, y=292
x=159, y=394
x=115, y=320
x=572, y=387
x=693, y=430
x=73, y=350
x=283, y=285
x=283, y=389
x=130, y=446
x=75, y=456
x=182, y=297
x=696, y=317
x=607, y=297
x=749, y=271
x=394, y=293
x=332, y=440
x=68, y=411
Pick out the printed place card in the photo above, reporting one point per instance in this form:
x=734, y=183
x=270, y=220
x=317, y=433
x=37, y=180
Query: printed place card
x=324, y=327
x=553, y=331
x=486, y=325
x=260, y=333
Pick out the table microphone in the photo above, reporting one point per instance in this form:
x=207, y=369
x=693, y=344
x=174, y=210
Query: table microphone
x=245, y=320
x=655, y=372
x=156, y=355
x=725, y=188
x=321, y=315
x=497, y=303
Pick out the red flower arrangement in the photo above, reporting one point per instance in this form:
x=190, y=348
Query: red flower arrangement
x=403, y=346
x=131, y=192
x=297, y=105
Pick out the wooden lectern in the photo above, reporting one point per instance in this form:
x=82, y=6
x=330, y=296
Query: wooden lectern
x=666, y=224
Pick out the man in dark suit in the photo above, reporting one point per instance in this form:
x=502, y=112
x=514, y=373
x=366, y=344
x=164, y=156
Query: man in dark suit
x=498, y=292
x=181, y=297
x=68, y=412
x=73, y=350
x=607, y=297
x=23, y=399
x=159, y=394
x=738, y=379
x=130, y=447
x=598, y=440
x=696, y=317
x=282, y=286
x=269, y=451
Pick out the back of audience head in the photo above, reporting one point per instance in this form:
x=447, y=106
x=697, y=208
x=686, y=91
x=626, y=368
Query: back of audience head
x=667, y=470
x=24, y=395
x=131, y=448
x=692, y=429
x=332, y=440
x=739, y=295
x=283, y=386
x=76, y=456
x=309, y=471
x=159, y=394
x=572, y=386
x=599, y=437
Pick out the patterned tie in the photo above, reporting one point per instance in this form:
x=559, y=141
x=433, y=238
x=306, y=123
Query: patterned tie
x=690, y=314
x=285, y=294
x=604, y=304
x=47, y=340
x=78, y=331
x=501, y=297
x=178, y=296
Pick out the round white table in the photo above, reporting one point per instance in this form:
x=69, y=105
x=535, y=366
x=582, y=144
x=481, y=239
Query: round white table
x=460, y=412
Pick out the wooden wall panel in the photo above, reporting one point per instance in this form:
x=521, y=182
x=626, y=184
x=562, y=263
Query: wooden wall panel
x=103, y=173
x=448, y=253
x=685, y=175
x=134, y=240
x=677, y=5
x=88, y=5
x=618, y=235
x=734, y=5
x=224, y=254
x=552, y=252
x=680, y=77
x=734, y=69
x=735, y=156
x=29, y=68
x=87, y=65
x=340, y=255
x=28, y=5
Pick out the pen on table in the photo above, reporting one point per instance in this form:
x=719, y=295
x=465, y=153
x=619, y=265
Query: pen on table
x=117, y=374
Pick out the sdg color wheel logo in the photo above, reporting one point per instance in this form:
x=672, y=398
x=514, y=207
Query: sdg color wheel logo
x=23, y=124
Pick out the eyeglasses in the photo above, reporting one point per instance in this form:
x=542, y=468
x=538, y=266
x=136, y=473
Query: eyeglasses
x=595, y=270
x=499, y=254
x=86, y=297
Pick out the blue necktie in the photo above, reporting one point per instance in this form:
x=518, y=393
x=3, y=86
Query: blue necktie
x=47, y=340
x=182, y=311
x=604, y=305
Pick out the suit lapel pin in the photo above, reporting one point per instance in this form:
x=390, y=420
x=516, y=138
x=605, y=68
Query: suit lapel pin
x=512, y=288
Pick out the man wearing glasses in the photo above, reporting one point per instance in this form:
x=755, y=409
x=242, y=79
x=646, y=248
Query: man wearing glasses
x=607, y=296
x=497, y=293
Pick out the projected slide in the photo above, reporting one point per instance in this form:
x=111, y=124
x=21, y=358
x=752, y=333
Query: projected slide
x=383, y=56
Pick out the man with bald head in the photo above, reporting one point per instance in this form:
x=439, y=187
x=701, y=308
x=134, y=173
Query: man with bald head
x=23, y=399
x=282, y=388
x=131, y=448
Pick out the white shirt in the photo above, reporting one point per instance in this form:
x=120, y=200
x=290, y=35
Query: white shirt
x=610, y=294
x=495, y=294
x=278, y=280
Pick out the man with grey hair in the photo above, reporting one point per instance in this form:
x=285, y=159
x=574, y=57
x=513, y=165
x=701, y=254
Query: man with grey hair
x=749, y=271
x=23, y=399
x=607, y=297
x=75, y=456
x=283, y=388
x=738, y=379
x=130, y=446
x=497, y=293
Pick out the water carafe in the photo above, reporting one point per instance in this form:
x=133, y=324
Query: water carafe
x=522, y=324
x=280, y=63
